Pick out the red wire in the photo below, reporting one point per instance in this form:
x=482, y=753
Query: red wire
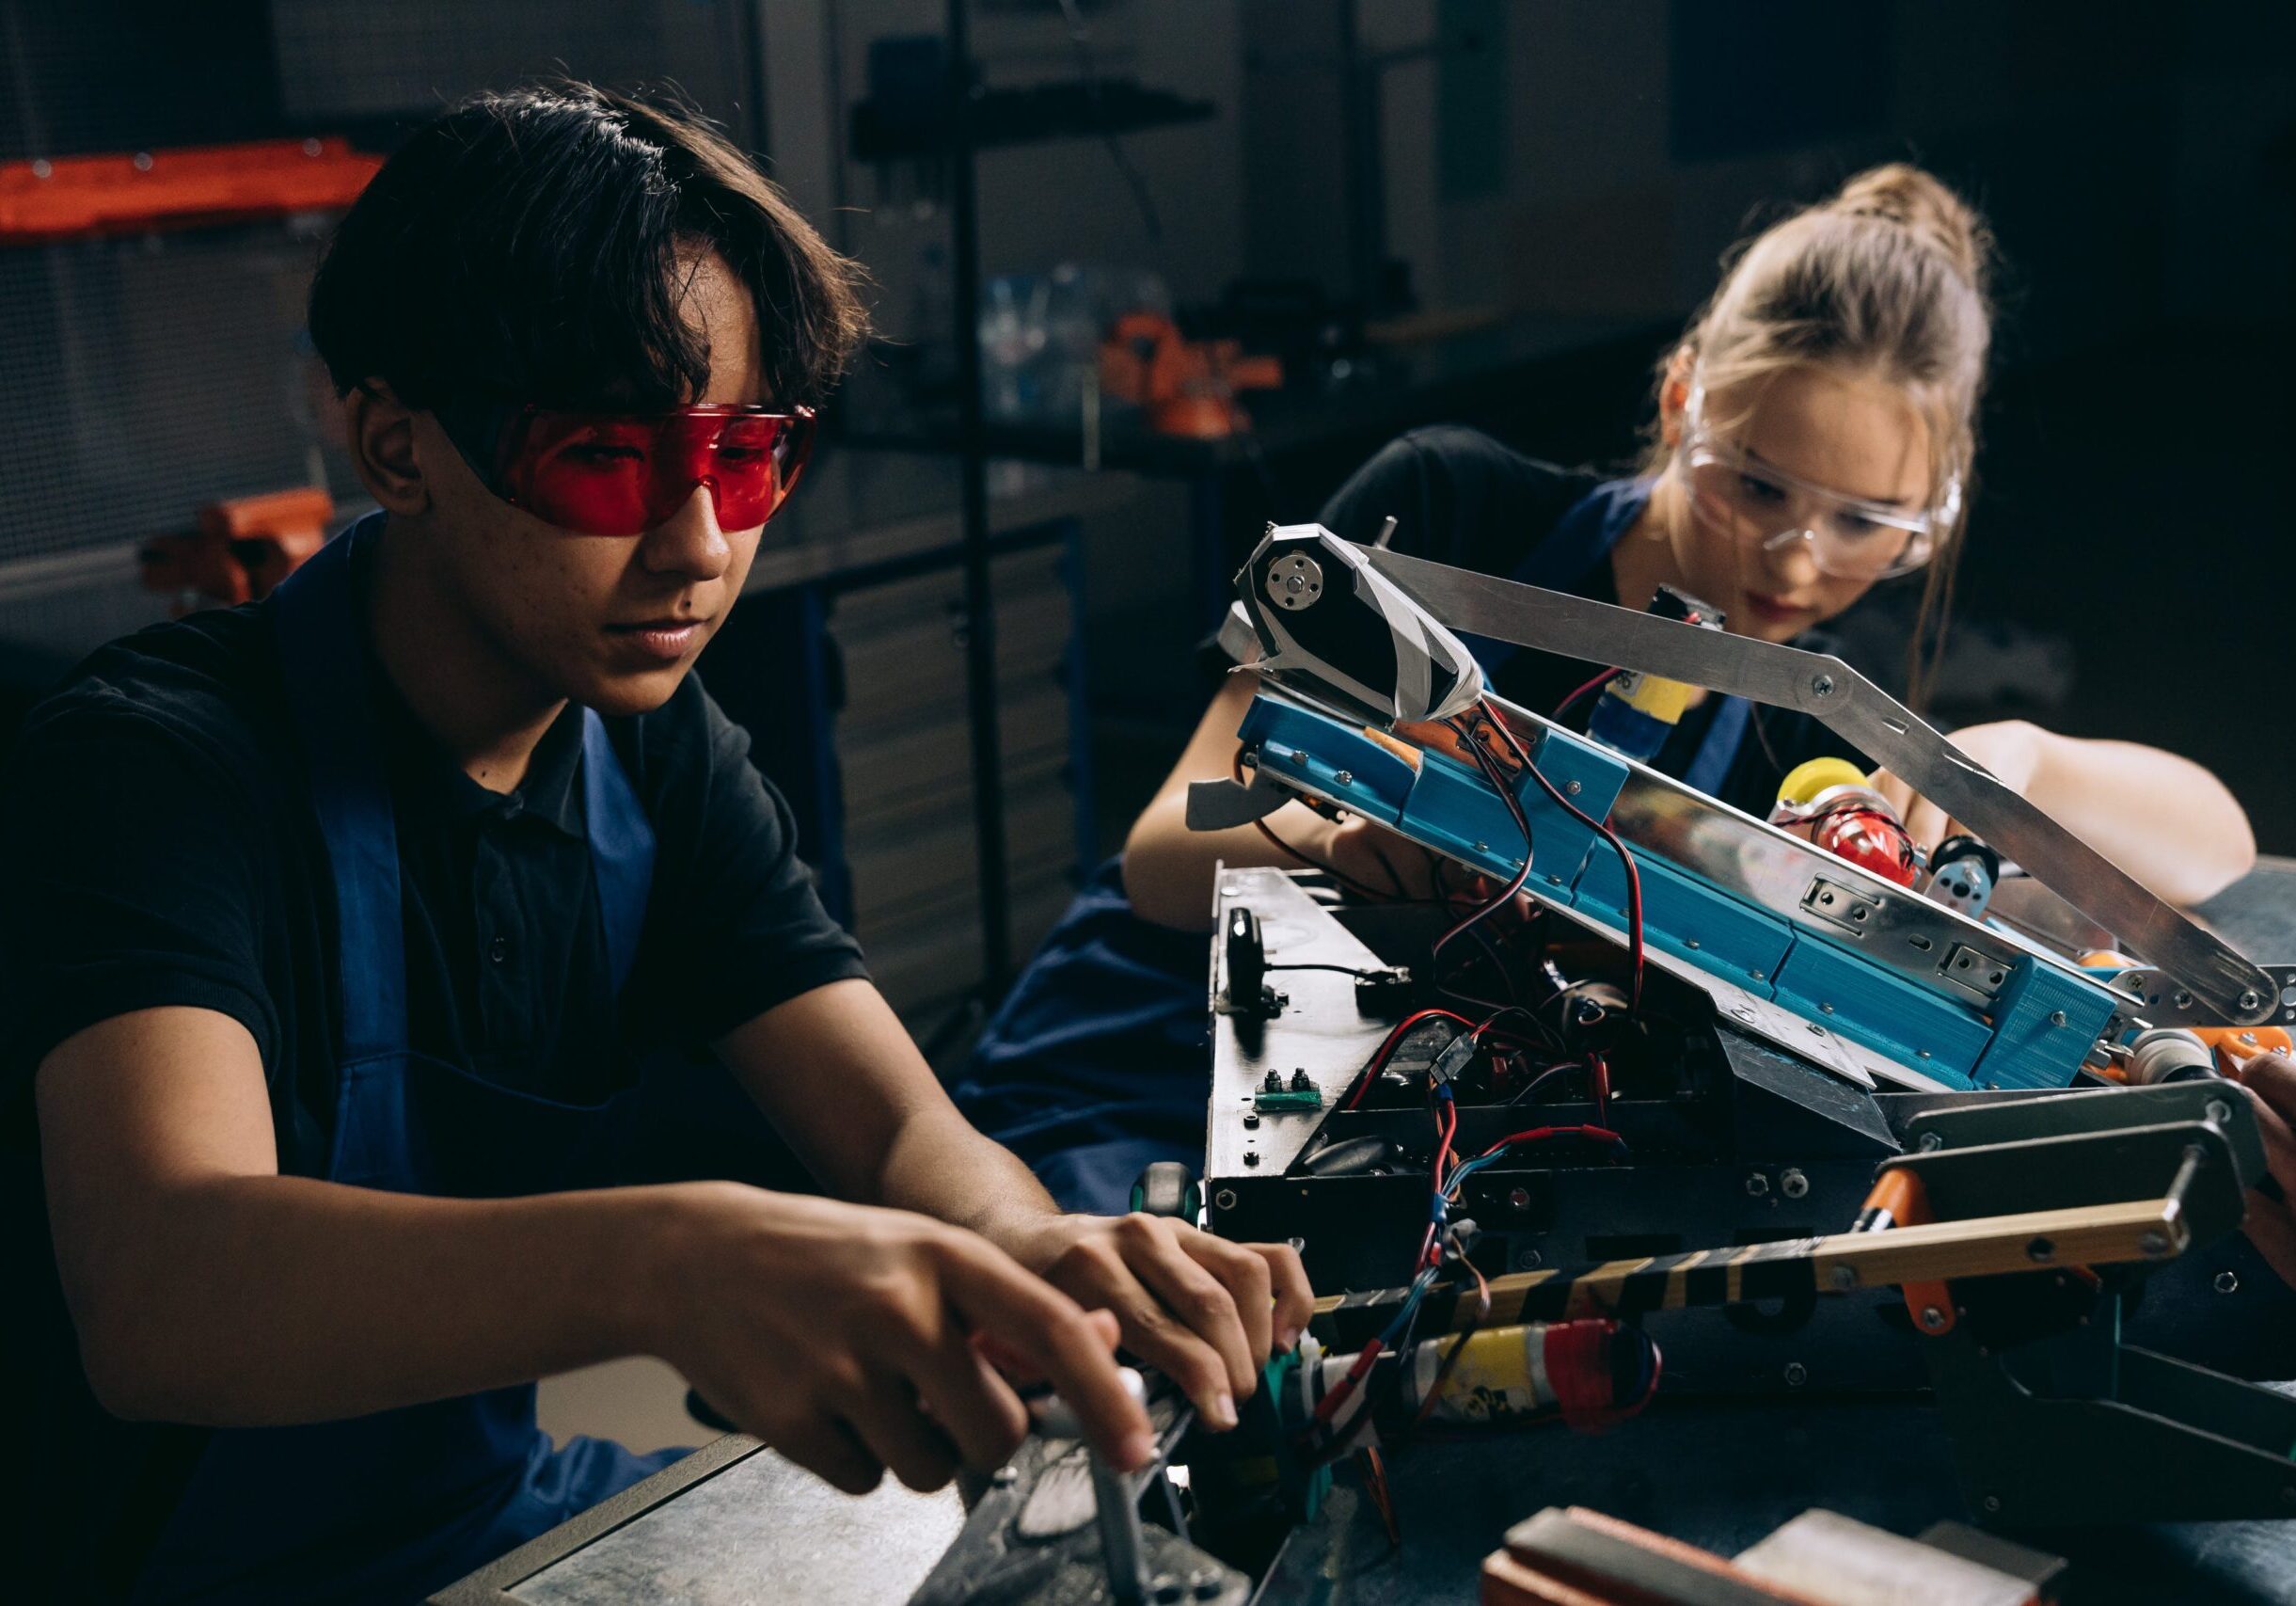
x=1564, y=707
x=1537, y=1134
x=1381, y=1055
x=1602, y=1087
x=1626, y=860
x=1446, y=1125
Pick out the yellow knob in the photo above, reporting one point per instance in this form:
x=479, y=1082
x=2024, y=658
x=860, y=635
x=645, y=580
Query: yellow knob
x=1807, y=780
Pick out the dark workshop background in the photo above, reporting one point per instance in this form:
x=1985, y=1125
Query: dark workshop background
x=1462, y=209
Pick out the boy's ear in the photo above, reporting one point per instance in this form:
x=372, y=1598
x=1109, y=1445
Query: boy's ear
x=381, y=433
x=1674, y=395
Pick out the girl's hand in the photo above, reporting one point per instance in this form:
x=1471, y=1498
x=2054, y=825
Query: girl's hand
x=2011, y=749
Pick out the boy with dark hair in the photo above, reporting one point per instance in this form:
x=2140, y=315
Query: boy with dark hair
x=339, y=930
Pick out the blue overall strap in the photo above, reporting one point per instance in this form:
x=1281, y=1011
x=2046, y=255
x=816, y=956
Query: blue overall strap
x=1719, y=750
x=322, y=656
x=621, y=846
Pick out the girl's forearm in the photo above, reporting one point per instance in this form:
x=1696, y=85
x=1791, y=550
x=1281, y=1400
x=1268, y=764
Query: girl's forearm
x=2164, y=819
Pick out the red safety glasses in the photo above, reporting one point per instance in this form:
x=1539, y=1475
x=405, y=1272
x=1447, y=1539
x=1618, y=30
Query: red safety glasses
x=627, y=473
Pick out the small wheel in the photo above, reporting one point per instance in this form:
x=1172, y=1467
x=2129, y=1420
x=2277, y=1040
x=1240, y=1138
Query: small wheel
x=1166, y=1187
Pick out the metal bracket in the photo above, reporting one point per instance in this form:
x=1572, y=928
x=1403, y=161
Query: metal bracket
x=1860, y=713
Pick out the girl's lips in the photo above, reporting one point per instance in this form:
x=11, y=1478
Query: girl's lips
x=1771, y=609
x=661, y=640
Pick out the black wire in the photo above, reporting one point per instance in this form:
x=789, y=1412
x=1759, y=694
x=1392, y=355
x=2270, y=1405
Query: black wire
x=1342, y=969
x=1081, y=36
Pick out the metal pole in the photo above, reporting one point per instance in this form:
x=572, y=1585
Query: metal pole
x=980, y=606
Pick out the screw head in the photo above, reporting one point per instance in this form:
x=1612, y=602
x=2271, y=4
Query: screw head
x=143, y=161
x=1822, y=685
x=1251, y=1118
x=2228, y=1283
x=1931, y=1142
x=1527, y=1260
x=2249, y=999
x=1251, y=1156
x=2056, y=1017
x=2217, y=1111
x=1223, y=1199
x=1991, y=1504
x=1792, y=1184
x=1344, y=777
x=44, y=168
x=2040, y=1249
x=1757, y=1184
x=1518, y=1199
x=1843, y=1278
x=1006, y=1476
x=1796, y=1375
x=1570, y=787
x=1933, y=1319
x=2154, y=1242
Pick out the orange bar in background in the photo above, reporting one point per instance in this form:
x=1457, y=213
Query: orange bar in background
x=81, y=198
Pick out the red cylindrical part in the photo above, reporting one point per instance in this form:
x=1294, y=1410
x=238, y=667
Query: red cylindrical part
x=1870, y=839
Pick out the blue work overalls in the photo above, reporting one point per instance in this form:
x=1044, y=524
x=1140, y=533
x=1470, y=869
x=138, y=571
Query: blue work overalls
x=390, y=1506
x=1097, y=1063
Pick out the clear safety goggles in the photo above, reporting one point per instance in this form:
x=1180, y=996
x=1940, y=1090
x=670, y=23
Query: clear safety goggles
x=1849, y=537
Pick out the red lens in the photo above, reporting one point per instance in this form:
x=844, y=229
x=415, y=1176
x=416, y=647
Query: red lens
x=623, y=474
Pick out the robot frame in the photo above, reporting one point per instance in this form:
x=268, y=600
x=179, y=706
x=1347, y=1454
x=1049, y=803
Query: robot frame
x=1801, y=1125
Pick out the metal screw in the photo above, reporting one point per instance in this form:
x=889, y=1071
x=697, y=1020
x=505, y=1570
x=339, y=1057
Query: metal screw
x=2056, y=1017
x=1933, y=1319
x=2217, y=1111
x=1344, y=777
x=1301, y=1081
x=1518, y=1199
x=1992, y=1504
x=143, y=161
x=2248, y=999
x=1843, y=1278
x=44, y=168
x=1824, y=1007
x=1223, y=1199
x=1005, y=1477
x=1792, y=1184
x=1251, y=1156
x=1691, y=943
x=1526, y=1260
x=1796, y=1375
x=1923, y=1053
x=1251, y=1118
x=1757, y=1184
x=2154, y=1242
x=1757, y=976
x=1570, y=787
x=2040, y=1249
x=1931, y=1142
x=1482, y=847
x=2228, y=1283
x=1822, y=685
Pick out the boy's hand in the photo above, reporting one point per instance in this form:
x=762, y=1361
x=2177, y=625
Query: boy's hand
x=2270, y=1083
x=849, y=1338
x=1205, y=1311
